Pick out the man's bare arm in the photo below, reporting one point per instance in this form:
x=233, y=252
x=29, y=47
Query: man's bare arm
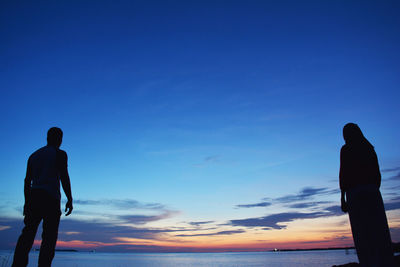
x=66, y=184
x=27, y=187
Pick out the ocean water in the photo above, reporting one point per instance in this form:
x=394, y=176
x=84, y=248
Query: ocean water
x=234, y=259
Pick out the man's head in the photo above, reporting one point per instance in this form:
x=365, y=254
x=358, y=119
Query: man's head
x=54, y=137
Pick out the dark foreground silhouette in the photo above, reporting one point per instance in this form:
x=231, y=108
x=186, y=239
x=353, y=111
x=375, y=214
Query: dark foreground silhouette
x=360, y=179
x=355, y=264
x=46, y=168
x=396, y=248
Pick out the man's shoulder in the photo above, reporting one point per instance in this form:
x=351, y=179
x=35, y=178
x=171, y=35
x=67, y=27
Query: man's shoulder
x=37, y=152
x=343, y=149
x=44, y=151
x=62, y=154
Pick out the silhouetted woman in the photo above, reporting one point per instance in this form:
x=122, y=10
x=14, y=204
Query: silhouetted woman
x=360, y=179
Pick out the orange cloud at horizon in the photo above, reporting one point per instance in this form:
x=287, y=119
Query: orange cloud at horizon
x=298, y=234
x=76, y=244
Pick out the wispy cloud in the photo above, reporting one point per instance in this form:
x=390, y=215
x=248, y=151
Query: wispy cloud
x=120, y=203
x=395, y=177
x=305, y=205
x=98, y=233
x=392, y=205
x=102, y=228
x=208, y=160
x=307, y=193
x=200, y=223
x=260, y=204
x=214, y=234
x=211, y=158
x=391, y=169
x=335, y=210
x=278, y=220
x=274, y=221
x=143, y=219
x=334, y=239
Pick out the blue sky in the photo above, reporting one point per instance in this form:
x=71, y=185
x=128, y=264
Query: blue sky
x=198, y=107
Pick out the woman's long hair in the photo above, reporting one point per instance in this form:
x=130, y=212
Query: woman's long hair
x=353, y=136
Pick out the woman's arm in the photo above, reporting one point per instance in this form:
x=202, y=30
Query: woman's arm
x=342, y=183
x=343, y=202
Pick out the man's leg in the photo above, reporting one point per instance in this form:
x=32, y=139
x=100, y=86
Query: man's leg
x=25, y=241
x=51, y=222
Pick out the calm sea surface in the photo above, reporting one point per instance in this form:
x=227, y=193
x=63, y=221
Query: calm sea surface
x=237, y=259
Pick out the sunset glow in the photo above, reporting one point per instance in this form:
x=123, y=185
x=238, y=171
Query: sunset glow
x=194, y=126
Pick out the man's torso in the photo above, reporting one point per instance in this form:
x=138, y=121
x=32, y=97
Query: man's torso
x=45, y=165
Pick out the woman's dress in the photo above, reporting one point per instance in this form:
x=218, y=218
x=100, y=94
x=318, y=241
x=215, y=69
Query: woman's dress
x=360, y=178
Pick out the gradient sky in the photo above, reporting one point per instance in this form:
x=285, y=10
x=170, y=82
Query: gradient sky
x=199, y=125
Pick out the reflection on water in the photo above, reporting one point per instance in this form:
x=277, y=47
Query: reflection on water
x=237, y=259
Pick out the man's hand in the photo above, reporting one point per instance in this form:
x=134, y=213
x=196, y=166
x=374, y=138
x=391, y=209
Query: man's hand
x=26, y=209
x=68, y=207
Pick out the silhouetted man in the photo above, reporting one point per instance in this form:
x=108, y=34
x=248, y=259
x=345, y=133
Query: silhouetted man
x=46, y=167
